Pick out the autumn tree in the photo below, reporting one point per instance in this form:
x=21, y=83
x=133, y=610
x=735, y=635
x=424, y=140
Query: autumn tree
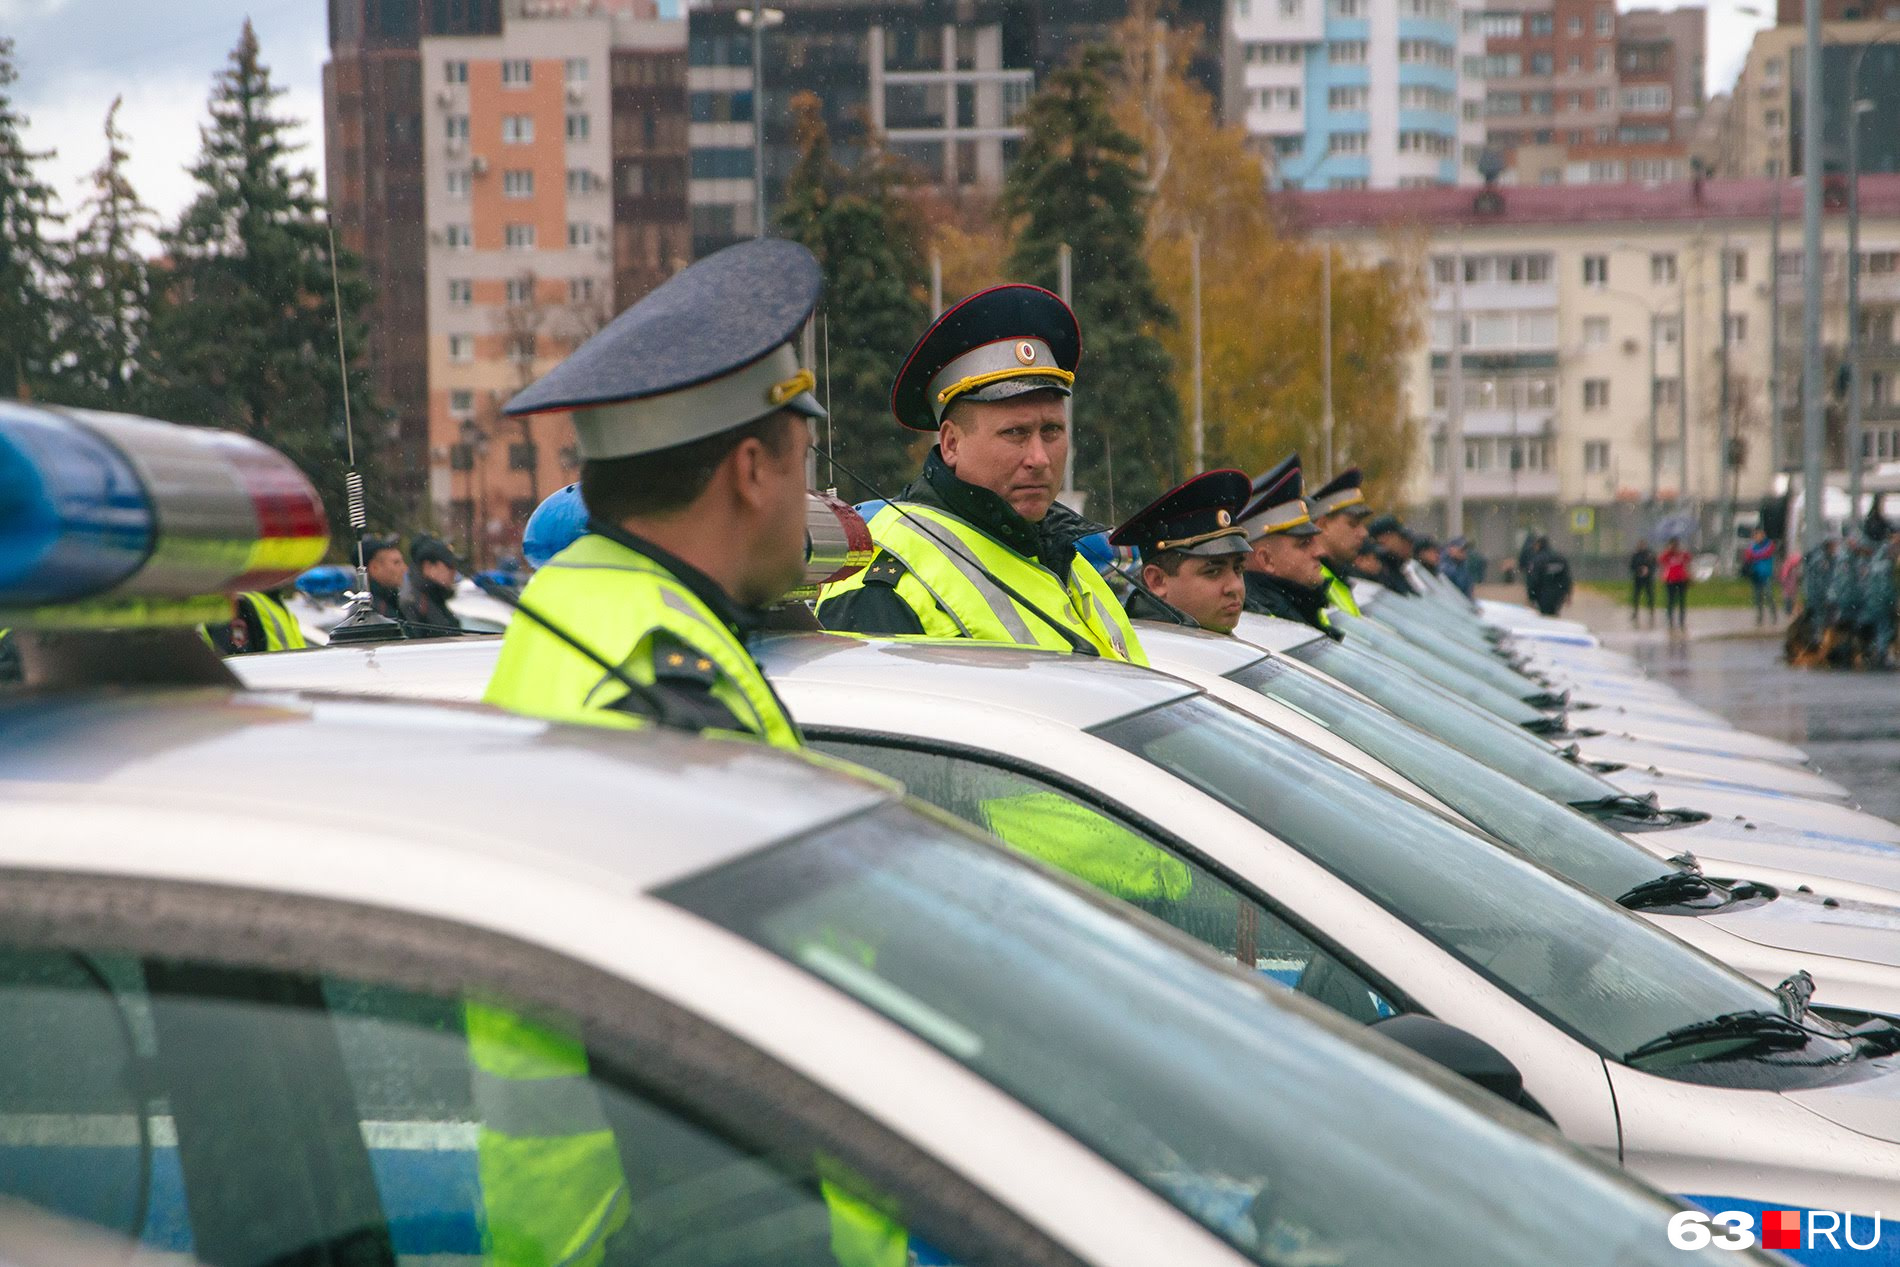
x=245, y=318
x=29, y=258
x=869, y=242
x=1262, y=289
x=104, y=305
x=1078, y=182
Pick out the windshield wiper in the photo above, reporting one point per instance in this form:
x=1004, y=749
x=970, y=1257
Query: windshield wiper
x=1763, y=1029
x=1644, y=806
x=1667, y=890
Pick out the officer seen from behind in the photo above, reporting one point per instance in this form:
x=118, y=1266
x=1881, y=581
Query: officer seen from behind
x=692, y=417
x=1193, y=553
x=427, y=589
x=1341, y=512
x=977, y=547
x=1285, y=577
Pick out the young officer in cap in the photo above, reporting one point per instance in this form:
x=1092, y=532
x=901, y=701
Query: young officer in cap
x=1341, y=512
x=977, y=547
x=1193, y=553
x=690, y=413
x=1284, y=574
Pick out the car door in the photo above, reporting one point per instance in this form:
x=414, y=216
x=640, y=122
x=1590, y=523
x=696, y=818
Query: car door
x=252, y=1079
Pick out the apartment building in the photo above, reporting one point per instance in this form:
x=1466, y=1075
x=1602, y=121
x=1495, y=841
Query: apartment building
x=1860, y=61
x=1595, y=325
x=1356, y=94
x=554, y=191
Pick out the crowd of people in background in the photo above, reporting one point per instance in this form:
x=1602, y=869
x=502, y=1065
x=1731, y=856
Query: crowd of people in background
x=1847, y=593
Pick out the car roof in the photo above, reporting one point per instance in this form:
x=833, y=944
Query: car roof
x=645, y=806
x=1171, y=646
x=1273, y=633
x=1077, y=690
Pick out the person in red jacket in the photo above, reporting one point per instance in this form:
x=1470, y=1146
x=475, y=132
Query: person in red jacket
x=1673, y=563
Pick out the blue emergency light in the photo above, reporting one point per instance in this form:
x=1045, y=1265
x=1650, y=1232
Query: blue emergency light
x=108, y=518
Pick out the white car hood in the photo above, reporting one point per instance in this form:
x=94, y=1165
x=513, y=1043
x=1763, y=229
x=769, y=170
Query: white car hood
x=1740, y=773
x=1735, y=806
x=1868, y=1107
x=1835, y=927
x=1734, y=850
x=1688, y=736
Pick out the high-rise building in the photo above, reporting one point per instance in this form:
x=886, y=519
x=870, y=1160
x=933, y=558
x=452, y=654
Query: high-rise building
x=1577, y=94
x=1355, y=94
x=1860, y=61
x=512, y=173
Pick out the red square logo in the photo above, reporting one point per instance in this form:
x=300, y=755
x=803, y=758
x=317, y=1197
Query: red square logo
x=1781, y=1229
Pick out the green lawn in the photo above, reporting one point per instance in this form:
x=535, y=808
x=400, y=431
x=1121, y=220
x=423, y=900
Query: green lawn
x=1723, y=591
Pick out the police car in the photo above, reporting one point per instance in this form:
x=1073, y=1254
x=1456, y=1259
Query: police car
x=1629, y=1040
x=233, y=1000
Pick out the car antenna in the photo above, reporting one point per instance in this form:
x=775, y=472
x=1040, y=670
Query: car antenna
x=1081, y=645
x=361, y=621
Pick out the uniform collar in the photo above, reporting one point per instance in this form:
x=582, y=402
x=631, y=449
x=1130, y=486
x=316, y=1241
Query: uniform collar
x=741, y=620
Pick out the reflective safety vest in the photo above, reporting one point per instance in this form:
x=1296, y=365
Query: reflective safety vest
x=1339, y=592
x=280, y=628
x=552, y=1186
x=618, y=603
x=1089, y=846
x=946, y=560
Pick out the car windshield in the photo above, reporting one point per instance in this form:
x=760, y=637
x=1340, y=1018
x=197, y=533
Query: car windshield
x=1290, y=1141
x=1473, y=731
x=1562, y=839
x=1593, y=968
x=1494, y=674
x=1391, y=646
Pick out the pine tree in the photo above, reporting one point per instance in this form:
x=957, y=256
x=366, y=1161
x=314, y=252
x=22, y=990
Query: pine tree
x=105, y=301
x=29, y=260
x=244, y=326
x=869, y=241
x=1078, y=181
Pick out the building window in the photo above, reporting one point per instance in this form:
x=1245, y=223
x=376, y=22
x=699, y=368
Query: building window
x=580, y=234
x=1646, y=99
x=1602, y=64
x=1574, y=64
x=519, y=237
x=1346, y=143
x=1596, y=270
x=1276, y=99
x=722, y=164
x=1541, y=64
x=520, y=290
x=1737, y=327
x=457, y=181
x=462, y=404
x=518, y=129
x=1346, y=182
x=582, y=181
x=1503, y=104
x=1425, y=53
x=1257, y=55
x=1596, y=456
x=1606, y=21
x=1771, y=71
x=1289, y=146
x=1346, y=52
x=575, y=71
x=580, y=290
x=1346, y=8
x=454, y=71
x=517, y=72
x=521, y=347
x=457, y=237
x=1662, y=268
x=1290, y=8
x=455, y=127
x=579, y=128
x=1541, y=24
x=1668, y=328
x=1667, y=392
x=1596, y=331
x=461, y=292
x=461, y=349
x=1573, y=25
x=1346, y=98
x=1596, y=393
x=517, y=184
x=1502, y=26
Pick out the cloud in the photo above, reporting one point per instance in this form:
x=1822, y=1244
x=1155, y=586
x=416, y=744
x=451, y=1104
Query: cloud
x=15, y=13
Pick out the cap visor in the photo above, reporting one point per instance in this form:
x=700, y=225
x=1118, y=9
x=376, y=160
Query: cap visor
x=807, y=404
x=1220, y=547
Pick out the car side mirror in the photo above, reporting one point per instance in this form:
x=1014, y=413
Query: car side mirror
x=1466, y=1055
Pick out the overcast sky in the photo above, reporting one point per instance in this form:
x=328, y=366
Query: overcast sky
x=74, y=56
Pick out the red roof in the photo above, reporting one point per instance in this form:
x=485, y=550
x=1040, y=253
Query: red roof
x=1575, y=204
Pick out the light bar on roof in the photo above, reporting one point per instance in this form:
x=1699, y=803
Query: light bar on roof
x=108, y=518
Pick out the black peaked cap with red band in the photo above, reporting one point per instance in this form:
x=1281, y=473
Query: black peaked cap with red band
x=1201, y=516
x=1003, y=315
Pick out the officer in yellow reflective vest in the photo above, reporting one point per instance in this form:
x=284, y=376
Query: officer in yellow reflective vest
x=977, y=547
x=692, y=419
x=1341, y=512
x=259, y=622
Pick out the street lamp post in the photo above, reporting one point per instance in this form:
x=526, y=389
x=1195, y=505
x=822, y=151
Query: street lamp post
x=758, y=17
x=1812, y=417
x=1855, y=108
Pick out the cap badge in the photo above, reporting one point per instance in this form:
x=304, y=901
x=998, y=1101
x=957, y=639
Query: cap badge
x=1026, y=352
x=1222, y=518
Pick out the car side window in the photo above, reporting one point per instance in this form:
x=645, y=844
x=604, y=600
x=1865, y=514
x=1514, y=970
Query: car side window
x=1091, y=842
x=248, y=1115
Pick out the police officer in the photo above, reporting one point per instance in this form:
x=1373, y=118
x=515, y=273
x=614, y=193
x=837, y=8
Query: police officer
x=1881, y=597
x=691, y=414
x=977, y=547
x=1341, y=512
x=1285, y=577
x=1392, y=544
x=1846, y=599
x=1193, y=553
x=382, y=562
x=259, y=622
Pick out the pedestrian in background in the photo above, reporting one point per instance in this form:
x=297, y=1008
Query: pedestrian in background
x=1674, y=563
x=382, y=560
x=1643, y=581
x=1456, y=565
x=1881, y=590
x=1788, y=573
x=1547, y=577
x=1876, y=528
x=1847, y=603
x=1758, y=565
x=427, y=589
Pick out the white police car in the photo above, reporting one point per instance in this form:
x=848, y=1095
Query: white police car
x=238, y=930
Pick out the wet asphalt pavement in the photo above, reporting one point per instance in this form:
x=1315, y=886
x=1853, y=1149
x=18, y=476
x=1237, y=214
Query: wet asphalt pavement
x=1849, y=723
